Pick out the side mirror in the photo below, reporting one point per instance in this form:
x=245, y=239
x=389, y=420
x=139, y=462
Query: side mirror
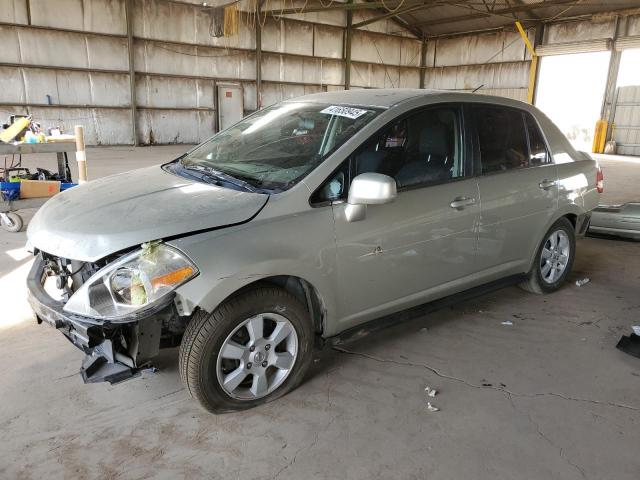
x=369, y=189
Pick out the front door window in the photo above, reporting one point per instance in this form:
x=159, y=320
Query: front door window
x=423, y=149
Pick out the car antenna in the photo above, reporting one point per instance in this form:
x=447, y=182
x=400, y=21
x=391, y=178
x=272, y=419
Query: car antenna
x=477, y=88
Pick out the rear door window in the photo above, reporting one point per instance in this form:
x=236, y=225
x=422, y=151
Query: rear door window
x=538, y=153
x=502, y=138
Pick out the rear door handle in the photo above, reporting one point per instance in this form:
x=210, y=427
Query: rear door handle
x=460, y=202
x=546, y=184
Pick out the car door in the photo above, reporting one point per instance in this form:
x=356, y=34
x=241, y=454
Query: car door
x=422, y=245
x=518, y=188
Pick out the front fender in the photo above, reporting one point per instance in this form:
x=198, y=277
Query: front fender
x=301, y=245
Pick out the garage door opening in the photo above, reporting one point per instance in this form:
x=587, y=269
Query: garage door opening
x=570, y=91
x=629, y=68
x=626, y=118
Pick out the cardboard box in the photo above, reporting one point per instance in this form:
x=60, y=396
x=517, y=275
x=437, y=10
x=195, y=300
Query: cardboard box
x=39, y=188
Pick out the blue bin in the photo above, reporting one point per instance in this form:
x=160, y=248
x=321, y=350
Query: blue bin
x=10, y=190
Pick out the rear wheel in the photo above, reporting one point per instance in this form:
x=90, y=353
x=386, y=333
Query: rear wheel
x=252, y=349
x=554, y=259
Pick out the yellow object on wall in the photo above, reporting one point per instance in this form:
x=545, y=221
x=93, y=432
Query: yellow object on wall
x=534, y=63
x=16, y=127
x=600, y=136
x=231, y=20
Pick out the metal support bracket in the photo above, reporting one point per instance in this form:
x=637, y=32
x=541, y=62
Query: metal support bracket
x=534, y=63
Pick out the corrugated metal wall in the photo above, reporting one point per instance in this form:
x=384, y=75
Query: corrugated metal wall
x=67, y=62
x=497, y=62
x=626, y=131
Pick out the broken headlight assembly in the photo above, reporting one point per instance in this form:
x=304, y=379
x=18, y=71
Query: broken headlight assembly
x=133, y=282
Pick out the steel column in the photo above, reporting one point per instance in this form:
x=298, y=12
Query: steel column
x=132, y=72
x=537, y=41
x=423, y=62
x=258, y=55
x=347, y=48
x=608, y=109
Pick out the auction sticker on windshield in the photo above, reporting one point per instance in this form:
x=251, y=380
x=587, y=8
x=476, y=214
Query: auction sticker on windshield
x=348, y=112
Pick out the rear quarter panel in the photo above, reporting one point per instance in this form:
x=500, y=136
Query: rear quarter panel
x=577, y=193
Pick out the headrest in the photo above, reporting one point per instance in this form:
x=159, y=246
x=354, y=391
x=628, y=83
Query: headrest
x=370, y=161
x=434, y=140
x=306, y=124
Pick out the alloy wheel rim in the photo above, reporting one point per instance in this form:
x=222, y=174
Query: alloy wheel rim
x=554, y=257
x=257, y=356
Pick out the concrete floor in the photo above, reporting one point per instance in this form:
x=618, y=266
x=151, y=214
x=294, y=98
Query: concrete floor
x=546, y=398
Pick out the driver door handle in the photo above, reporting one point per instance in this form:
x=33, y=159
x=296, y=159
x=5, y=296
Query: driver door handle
x=460, y=202
x=546, y=184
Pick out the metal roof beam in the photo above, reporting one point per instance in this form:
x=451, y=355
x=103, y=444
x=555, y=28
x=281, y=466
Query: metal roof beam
x=343, y=6
x=393, y=16
x=504, y=11
x=534, y=15
x=416, y=32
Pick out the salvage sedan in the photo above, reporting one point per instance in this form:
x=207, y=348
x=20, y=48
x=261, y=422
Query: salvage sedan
x=303, y=221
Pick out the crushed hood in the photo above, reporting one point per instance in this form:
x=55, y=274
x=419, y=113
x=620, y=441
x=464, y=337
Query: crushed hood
x=104, y=216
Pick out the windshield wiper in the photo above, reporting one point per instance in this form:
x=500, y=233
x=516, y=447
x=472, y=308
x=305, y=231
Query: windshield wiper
x=221, y=176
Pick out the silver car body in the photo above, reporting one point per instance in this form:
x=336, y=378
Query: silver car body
x=619, y=220
x=404, y=253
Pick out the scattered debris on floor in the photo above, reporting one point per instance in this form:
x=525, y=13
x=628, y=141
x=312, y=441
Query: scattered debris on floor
x=582, y=281
x=423, y=329
x=432, y=408
x=508, y=323
x=630, y=344
x=636, y=329
x=431, y=392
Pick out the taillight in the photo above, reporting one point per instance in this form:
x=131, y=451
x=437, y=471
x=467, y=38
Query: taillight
x=600, y=180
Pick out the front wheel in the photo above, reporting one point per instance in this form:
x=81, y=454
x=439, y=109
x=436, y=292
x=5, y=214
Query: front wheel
x=554, y=259
x=11, y=222
x=254, y=348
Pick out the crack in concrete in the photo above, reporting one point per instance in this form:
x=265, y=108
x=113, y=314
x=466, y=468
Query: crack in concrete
x=169, y=394
x=316, y=436
x=313, y=443
x=542, y=435
x=485, y=387
x=295, y=455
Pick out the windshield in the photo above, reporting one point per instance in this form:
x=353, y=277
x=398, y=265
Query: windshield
x=276, y=147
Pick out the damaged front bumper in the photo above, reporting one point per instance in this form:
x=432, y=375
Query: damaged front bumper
x=114, y=352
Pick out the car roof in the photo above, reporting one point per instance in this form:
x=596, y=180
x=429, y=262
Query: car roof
x=389, y=97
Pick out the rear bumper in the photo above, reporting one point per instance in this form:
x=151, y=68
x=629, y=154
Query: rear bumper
x=106, y=357
x=582, y=224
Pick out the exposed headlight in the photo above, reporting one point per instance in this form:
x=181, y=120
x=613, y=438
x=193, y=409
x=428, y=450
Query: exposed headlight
x=132, y=282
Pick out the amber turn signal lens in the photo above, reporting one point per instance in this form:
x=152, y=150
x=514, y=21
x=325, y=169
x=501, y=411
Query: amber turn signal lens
x=172, y=278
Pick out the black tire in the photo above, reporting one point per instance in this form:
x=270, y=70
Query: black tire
x=206, y=333
x=14, y=224
x=535, y=282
